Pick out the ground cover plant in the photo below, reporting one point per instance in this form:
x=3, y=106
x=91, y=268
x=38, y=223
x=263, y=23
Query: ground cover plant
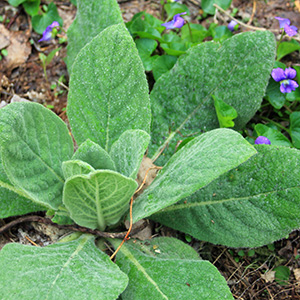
x=215, y=185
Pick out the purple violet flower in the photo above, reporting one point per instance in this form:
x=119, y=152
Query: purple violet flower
x=285, y=24
x=285, y=78
x=231, y=25
x=262, y=140
x=177, y=22
x=47, y=34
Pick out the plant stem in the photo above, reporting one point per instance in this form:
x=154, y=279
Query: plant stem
x=239, y=22
x=275, y=123
x=190, y=30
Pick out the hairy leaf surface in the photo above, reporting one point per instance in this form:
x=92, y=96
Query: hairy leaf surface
x=94, y=155
x=250, y=206
x=76, y=167
x=236, y=71
x=91, y=18
x=108, y=89
x=98, y=199
x=166, y=268
x=62, y=271
x=194, y=166
x=34, y=143
x=14, y=201
x=128, y=151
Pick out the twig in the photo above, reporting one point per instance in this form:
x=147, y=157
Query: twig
x=114, y=235
x=128, y=232
x=253, y=13
x=239, y=22
x=130, y=212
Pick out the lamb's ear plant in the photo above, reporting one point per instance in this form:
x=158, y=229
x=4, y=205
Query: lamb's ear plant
x=217, y=187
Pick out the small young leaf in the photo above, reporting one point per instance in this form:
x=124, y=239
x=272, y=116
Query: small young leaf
x=194, y=33
x=75, y=167
x=32, y=7
x=16, y=2
x=40, y=22
x=166, y=268
x=275, y=136
x=34, y=143
x=112, y=96
x=282, y=275
x=286, y=48
x=91, y=18
x=62, y=271
x=94, y=155
x=195, y=165
x=175, y=8
x=225, y=113
x=249, y=206
x=128, y=151
x=162, y=65
x=274, y=95
x=208, y=5
x=146, y=48
x=98, y=199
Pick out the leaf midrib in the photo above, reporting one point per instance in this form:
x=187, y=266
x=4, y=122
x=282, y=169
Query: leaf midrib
x=129, y=255
x=205, y=203
x=66, y=264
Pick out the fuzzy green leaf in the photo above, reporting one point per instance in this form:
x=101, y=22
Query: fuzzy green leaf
x=94, y=155
x=34, y=143
x=194, y=166
x=14, y=201
x=166, y=268
x=62, y=271
x=111, y=95
x=236, y=71
x=250, y=206
x=76, y=167
x=98, y=199
x=225, y=113
x=92, y=17
x=128, y=151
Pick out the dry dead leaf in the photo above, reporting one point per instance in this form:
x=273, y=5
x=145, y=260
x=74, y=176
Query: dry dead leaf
x=145, y=165
x=142, y=235
x=15, y=98
x=18, y=50
x=4, y=37
x=297, y=5
x=297, y=274
x=269, y=276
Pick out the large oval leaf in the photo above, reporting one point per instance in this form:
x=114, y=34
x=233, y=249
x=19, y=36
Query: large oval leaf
x=108, y=89
x=91, y=18
x=62, y=271
x=250, y=206
x=236, y=72
x=194, y=166
x=98, y=199
x=34, y=143
x=14, y=201
x=166, y=268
